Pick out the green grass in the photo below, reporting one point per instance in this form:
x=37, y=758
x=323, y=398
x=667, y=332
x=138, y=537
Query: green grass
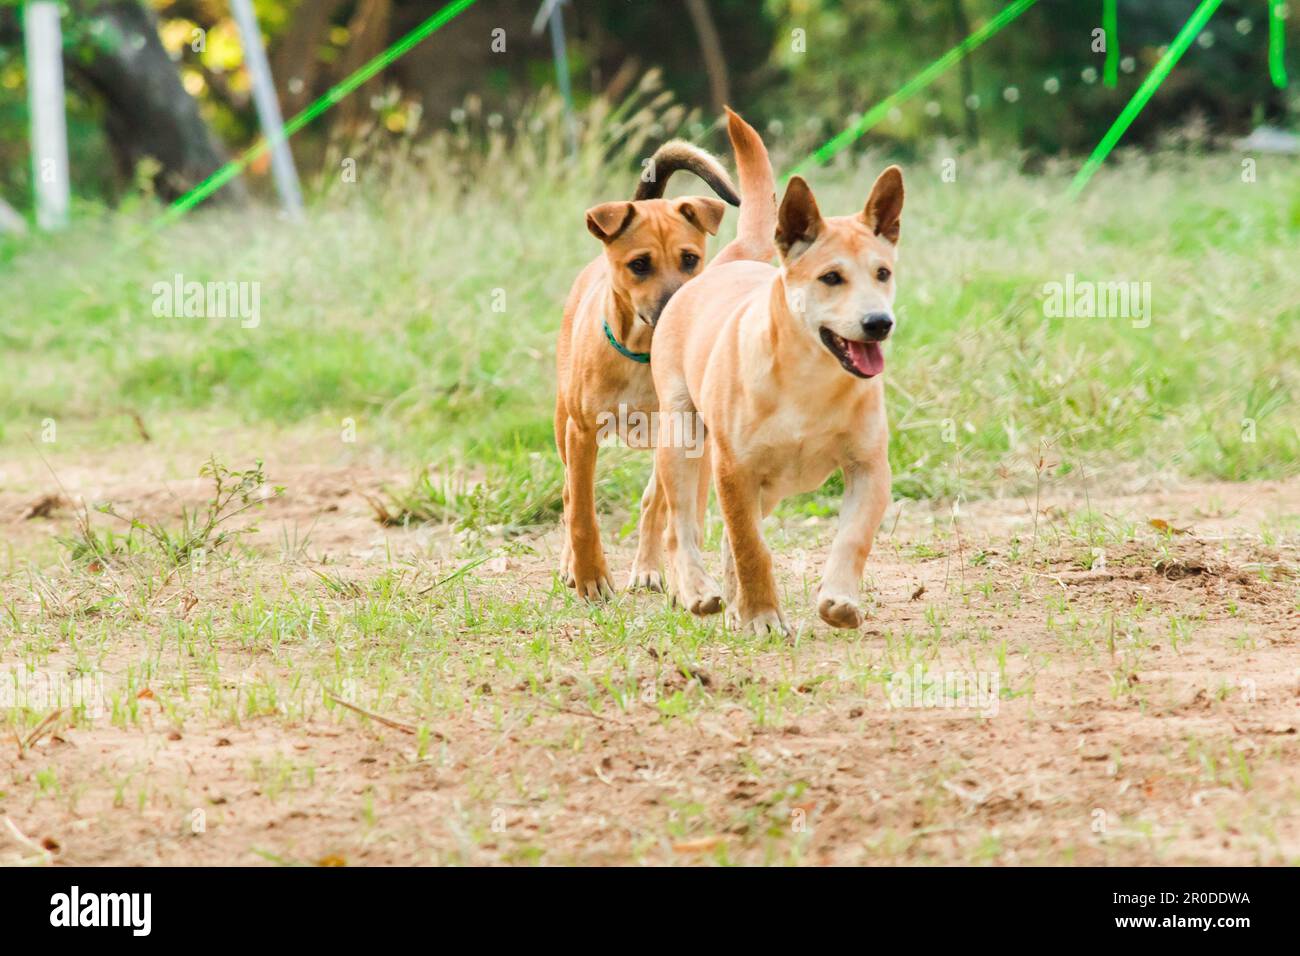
x=270, y=646
x=422, y=302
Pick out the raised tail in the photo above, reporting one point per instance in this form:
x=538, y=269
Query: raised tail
x=679, y=154
x=756, y=231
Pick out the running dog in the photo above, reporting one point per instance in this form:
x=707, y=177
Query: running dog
x=652, y=247
x=784, y=365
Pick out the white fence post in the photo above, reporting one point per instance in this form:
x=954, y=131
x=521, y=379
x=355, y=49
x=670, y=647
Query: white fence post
x=550, y=12
x=268, y=107
x=43, y=37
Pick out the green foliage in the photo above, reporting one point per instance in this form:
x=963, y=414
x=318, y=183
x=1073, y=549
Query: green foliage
x=1037, y=85
x=806, y=66
x=423, y=302
x=202, y=531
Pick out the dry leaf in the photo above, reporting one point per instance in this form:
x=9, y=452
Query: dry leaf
x=43, y=507
x=698, y=845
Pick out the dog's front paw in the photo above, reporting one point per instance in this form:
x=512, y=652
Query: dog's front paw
x=642, y=580
x=705, y=604
x=594, y=587
x=757, y=623
x=839, y=611
x=700, y=596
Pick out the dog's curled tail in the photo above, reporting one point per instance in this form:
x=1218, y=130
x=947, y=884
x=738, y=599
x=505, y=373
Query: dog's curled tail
x=679, y=154
x=756, y=230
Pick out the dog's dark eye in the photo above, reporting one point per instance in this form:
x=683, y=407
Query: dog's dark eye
x=689, y=261
x=640, y=265
x=831, y=278
x=883, y=274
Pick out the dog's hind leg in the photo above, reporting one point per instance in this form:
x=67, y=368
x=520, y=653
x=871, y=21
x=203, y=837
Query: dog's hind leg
x=729, y=586
x=680, y=475
x=866, y=496
x=704, y=478
x=590, y=574
x=650, y=533
x=566, y=552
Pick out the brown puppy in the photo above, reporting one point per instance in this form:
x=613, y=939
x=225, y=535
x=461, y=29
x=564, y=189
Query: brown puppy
x=784, y=365
x=652, y=247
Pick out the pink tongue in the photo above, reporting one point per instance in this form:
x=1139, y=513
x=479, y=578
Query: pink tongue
x=867, y=357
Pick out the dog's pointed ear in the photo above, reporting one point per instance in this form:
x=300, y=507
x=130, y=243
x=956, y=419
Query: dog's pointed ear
x=798, y=221
x=884, y=207
x=703, y=212
x=608, y=220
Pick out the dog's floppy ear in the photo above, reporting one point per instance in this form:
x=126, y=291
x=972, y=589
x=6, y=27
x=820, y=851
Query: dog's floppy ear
x=608, y=220
x=885, y=204
x=702, y=212
x=798, y=220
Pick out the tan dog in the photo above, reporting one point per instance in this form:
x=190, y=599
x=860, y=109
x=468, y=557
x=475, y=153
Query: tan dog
x=652, y=247
x=784, y=365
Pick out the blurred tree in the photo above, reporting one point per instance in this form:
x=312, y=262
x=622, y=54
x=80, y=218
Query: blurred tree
x=715, y=63
x=125, y=98
x=732, y=41
x=297, y=63
x=960, y=30
x=368, y=35
x=149, y=116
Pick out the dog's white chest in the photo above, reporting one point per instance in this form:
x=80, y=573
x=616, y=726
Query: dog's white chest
x=793, y=456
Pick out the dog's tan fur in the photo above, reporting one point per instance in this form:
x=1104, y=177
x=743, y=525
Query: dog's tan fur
x=741, y=346
x=593, y=378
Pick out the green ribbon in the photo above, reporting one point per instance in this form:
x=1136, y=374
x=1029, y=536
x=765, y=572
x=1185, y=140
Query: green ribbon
x=1276, y=44
x=1110, y=22
x=623, y=350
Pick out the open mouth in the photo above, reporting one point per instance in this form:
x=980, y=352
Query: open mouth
x=863, y=359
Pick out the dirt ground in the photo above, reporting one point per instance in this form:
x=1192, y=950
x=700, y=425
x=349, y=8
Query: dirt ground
x=1141, y=647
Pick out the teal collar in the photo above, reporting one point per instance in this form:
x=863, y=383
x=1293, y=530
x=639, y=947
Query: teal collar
x=623, y=350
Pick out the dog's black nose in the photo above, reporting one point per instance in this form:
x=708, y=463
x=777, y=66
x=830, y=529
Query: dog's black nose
x=877, y=325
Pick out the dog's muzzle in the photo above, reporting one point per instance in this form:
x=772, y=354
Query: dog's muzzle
x=662, y=304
